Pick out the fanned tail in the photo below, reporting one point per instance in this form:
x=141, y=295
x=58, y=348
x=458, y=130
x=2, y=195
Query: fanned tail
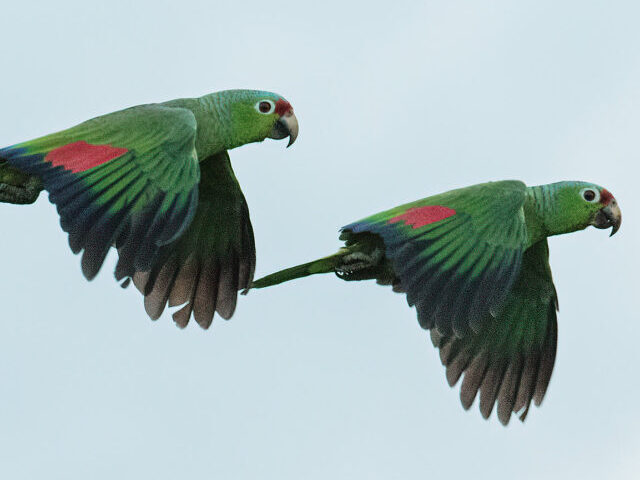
x=322, y=265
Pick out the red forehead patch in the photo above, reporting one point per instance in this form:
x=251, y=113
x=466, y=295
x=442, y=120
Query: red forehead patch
x=80, y=156
x=420, y=216
x=282, y=107
x=605, y=197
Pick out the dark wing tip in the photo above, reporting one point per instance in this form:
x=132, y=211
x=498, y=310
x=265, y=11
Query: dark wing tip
x=499, y=366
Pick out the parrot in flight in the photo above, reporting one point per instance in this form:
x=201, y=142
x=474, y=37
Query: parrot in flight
x=475, y=264
x=155, y=181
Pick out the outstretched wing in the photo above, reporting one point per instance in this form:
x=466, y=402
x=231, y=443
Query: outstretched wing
x=511, y=358
x=128, y=178
x=457, y=254
x=212, y=260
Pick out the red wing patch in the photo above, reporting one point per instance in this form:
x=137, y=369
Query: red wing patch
x=80, y=156
x=420, y=216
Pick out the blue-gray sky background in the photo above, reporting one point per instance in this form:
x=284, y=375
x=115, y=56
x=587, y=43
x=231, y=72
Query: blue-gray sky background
x=322, y=379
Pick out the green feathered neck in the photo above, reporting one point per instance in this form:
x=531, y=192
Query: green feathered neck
x=227, y=119
x=557, y=208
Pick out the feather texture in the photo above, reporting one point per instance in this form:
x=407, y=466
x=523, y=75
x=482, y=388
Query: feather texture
x=127, y=178
x=510, y=360
x=456, y=254
x=213, y=259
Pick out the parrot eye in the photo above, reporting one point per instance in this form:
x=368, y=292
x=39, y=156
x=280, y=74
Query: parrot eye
x=265, y=106
x=590, y=195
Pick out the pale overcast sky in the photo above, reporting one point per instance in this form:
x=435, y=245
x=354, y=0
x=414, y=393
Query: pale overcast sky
x=322, y=379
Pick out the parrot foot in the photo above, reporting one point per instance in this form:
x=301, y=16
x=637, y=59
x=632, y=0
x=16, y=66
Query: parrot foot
x=355, y=261
x=359, y=265
x=23, y=194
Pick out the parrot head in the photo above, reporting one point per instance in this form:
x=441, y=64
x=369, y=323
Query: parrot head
x=581, y=204
x=257, y=115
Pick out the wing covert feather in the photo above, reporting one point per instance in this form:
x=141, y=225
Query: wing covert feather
x=455, y=255
x=128, y=177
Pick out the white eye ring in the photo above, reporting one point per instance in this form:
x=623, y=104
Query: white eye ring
x=261, y=107
x=590, y=195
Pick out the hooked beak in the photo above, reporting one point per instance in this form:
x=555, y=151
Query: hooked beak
x=286, y=126
x=609, y=216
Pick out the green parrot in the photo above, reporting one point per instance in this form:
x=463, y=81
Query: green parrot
x=475, y=263
x=155, y=181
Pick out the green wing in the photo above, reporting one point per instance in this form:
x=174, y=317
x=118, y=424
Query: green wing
x=456, y=255
x=212, y=260
x=128, y=178
x=511, y=358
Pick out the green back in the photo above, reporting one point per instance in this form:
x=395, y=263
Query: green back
x=456, y=254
